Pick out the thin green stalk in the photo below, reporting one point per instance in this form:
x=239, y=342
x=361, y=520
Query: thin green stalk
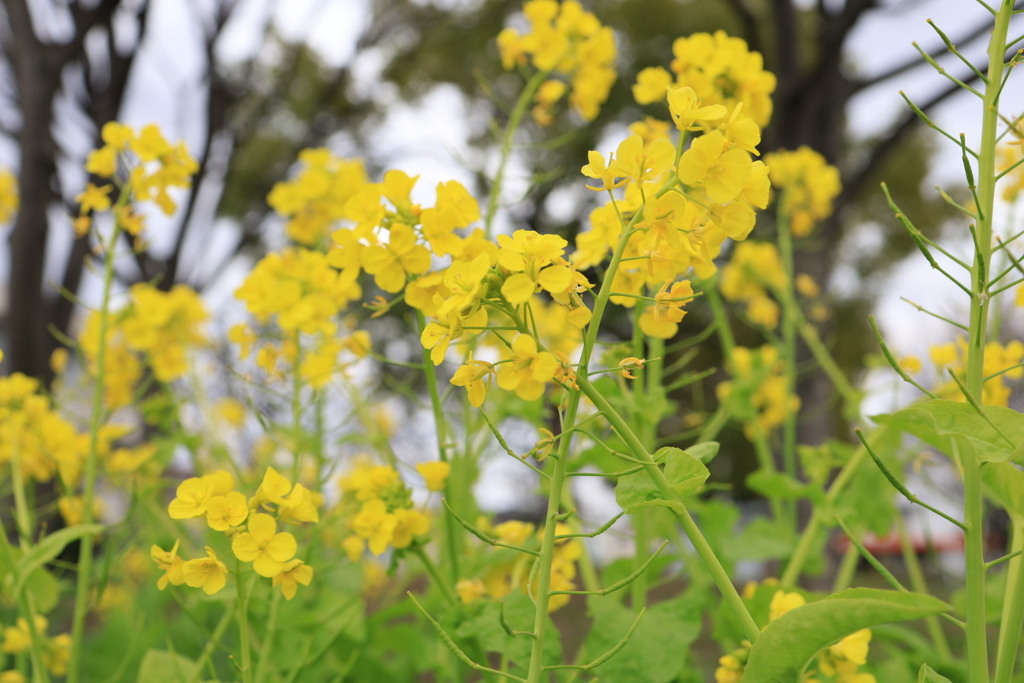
x=920, y=585
x=515, y=118
x=267, y=646
x=451, y=541
x=789, y=324
x=90, y=466
x=700, y=544
x=847, y=569
x=27, y=609
x=974, y=548
x=211, y=645
x=820, y=514
x=446, y=590
x=1012, y=621
x=242, y=605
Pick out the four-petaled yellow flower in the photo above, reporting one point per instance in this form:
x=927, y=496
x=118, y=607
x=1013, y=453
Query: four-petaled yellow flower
x=527, y=369
x=292, y=574
x=434, y=473
x=208, y=573
x=263, y=546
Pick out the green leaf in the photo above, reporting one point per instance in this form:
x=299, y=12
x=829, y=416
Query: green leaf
x=49, y=548
x=951, y=426
x=787, y=644
x=161, y=666
x=635, y=489
x=930, y=675
x=705, y=452
x=518, y=614
x=657, y=651
x=684, y=471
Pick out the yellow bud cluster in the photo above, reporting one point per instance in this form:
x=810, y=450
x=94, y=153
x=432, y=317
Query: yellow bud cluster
x=808, y=185
x=378, y=510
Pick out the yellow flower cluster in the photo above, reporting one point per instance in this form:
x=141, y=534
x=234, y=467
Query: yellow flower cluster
x=1002, y=363
x=149, y=166
x=378, y=509
x=156, y=329
x=505, y=575
x=754, y=272
x=9, y=198
x=757, y=393
x=316, y=198
x=18, y=640
x=808, y=185
x=271, y=553
x=567, y=40
x=1010, y=161
x=719, y=68
x=34, y=435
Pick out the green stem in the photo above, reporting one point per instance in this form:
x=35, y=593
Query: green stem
x=267, y=646
x=515, y=118
x=847, y=568
x=820, y=513
x=90, y=466
x=243, y=623
x=700, y=544
x=211, y=645
x=27, y=609
x=974, y=547
x=920, y=585
x=789, y=324
x=446, y=590
x=1012, y=621
x=451, y=541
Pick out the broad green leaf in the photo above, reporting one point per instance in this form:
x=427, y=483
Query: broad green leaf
x=49, y=548
x=787, y=644
x=764, y=539
x=705, y=452
x=930, y=675
x=161, y=666
x=657, y=651
x=952, y=426
x=635, y=489
x=684, y=471
x=44, y=589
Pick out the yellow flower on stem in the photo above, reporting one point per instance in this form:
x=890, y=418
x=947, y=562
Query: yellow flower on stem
x=273, y=489
x=375, y=525
x=299, y=507
x=208, y=573
x=223, y=512
x=170, y=563
x=263, y=546
x=409, y=524
x=472, y=375
x=294, y=572
x=528, y=369
x=661, y=319
x=434, y=473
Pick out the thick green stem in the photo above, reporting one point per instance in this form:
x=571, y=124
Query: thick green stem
x=700, y=544
x=90, y=466
x=515, y=118
x=974, y=548
x=243, y=623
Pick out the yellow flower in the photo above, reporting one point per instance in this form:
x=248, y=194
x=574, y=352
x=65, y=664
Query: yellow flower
x=263, y=546
x=170, y=563
x=228, y=510
x=651, y=85
x=783, y=602
x=191, y=498
x=273, y=489
x=375, y=525
x=294, y=572
x=661, y=319
x=299, y=507
x=472, y=375
x=208, y=573
x=687, y=111
x=17, y=638
x=528, y=369
x=434, y=474
x=470, y=590
x=409, y=524
x=94, y=198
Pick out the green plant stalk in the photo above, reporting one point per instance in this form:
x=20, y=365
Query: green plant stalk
x=789, y=323
x=919, y=584
x=211, y=645
x=974, y=549
x=243, y=623
x=90, y=466
x=820, y=513
x=267, y=646
x=514, y=120
x=559, y=476
x=451, y=541
x=700, y=544
x=1012, y=621
x=847, y=569
x=26, y=608
x=547, y=549
x=648, y=427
